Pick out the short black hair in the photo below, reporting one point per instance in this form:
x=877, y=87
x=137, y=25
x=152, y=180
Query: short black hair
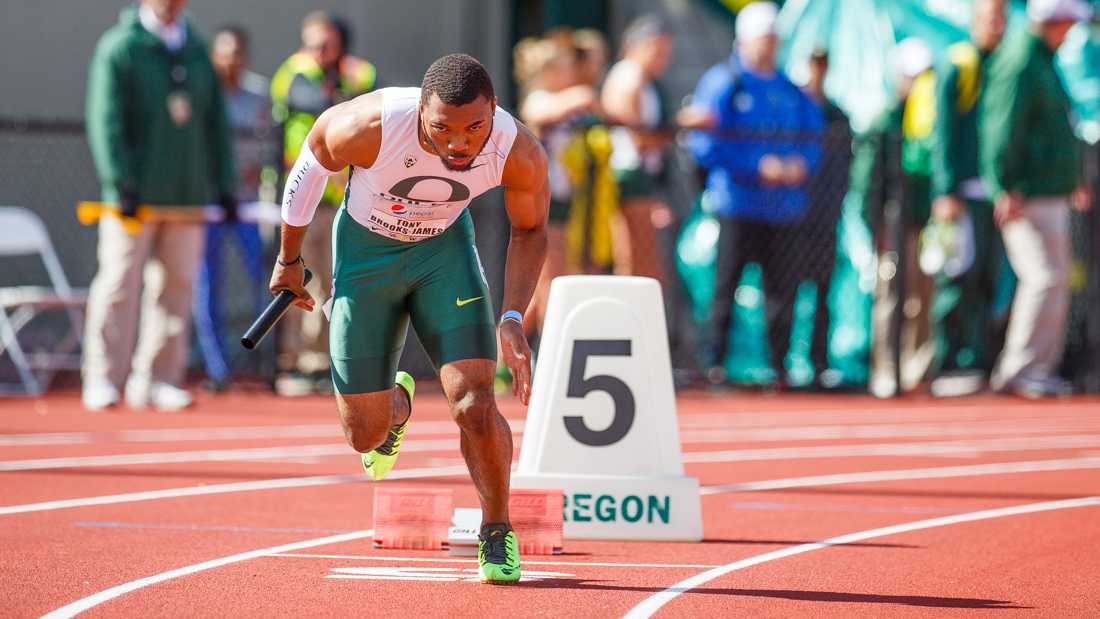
x=457, y=79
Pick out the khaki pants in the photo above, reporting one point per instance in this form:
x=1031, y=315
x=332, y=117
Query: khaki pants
x=917, y=348
x=305, y=334
x=168, y=255
x=1038, y=247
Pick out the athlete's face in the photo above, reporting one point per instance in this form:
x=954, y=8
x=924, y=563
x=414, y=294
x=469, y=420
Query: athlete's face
x=457, y=133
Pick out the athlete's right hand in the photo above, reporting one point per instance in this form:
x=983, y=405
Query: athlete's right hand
x=291, y=277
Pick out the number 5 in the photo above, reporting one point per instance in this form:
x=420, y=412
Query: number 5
x=579, y=387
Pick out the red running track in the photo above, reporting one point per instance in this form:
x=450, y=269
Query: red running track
x=253, y=506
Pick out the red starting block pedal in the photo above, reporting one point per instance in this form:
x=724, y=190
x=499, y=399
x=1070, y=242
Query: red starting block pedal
x=536, y=517
x=412, y=518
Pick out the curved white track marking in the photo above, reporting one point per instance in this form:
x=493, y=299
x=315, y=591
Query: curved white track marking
x=974, y=470
x=653, y=603
x=92, y=601
x=267, y=484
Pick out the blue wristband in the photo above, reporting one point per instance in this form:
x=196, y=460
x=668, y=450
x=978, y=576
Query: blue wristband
x=512, y=315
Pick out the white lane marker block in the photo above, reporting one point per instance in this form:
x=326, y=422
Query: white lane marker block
x=602, y=422
x=462, y=536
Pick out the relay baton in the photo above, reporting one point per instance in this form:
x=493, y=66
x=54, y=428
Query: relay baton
x=271, y=315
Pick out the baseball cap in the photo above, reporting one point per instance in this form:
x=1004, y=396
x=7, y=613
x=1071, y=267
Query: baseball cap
x=756, y=20
x=1057, y=10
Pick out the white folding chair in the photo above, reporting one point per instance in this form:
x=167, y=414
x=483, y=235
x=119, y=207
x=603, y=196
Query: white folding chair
x=22, y=233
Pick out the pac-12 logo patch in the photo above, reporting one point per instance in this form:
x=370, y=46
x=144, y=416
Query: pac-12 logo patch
x=410, y=161
x=398, y=209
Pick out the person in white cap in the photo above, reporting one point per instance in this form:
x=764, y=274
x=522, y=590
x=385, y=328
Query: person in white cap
x=899, y=140
x=1031, y=163
x=765, y=144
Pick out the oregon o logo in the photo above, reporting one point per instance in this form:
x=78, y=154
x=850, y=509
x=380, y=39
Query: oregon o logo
x=405, y=187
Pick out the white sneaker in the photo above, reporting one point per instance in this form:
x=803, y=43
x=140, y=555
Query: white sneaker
x=169, y=398
x=161, y=396
x=98, y=395
x=137, y=393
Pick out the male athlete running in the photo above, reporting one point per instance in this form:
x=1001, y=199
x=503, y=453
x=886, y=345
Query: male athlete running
x=404, y=247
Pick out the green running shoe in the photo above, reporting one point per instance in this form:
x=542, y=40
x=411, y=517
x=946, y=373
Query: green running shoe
x=498, y=555
x=379, y=462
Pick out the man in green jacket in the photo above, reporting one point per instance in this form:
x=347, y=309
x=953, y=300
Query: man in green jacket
x=158, y=133
x=319, y=75
x=1031, y=164
x=962, y=301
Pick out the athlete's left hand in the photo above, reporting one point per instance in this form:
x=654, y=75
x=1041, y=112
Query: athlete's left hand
x=516, y=354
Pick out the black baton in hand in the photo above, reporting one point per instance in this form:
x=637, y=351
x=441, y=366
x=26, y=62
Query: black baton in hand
x=271, y=315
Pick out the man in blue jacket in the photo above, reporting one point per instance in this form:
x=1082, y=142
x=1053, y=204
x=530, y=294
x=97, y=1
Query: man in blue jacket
x=760, y=143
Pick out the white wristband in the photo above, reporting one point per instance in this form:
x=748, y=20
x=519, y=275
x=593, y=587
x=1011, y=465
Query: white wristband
x=304, y=187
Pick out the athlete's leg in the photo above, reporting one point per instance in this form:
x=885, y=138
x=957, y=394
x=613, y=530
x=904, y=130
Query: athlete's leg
x=486, y=438
x=368, y=417
x=367, y=334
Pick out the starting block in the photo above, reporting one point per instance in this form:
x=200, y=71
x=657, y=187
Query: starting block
x=536, y=517
x=412, y=518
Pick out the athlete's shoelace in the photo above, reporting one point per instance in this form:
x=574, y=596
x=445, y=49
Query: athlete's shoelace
x=388, y=445
x=496, y=546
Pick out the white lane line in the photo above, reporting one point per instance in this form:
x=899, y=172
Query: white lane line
x=525, y=561
x=291, y=453
x=999, y=468
x=212, y=455
x=653, y=603
x=966, y=448
x=267, y=484
x=818, y=433
x=772, y=484
x=92, y=601
x=174, y=435
x=1015, y=411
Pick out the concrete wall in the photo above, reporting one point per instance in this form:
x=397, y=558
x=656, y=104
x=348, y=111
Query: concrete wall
x=45, y=45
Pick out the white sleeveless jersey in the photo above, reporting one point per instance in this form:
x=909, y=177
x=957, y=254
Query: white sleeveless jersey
x=408, y=194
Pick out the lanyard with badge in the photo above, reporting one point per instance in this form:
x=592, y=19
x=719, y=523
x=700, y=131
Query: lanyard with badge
x=179, y=102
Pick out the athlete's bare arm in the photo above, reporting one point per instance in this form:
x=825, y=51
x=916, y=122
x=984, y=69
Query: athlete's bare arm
x=346, y=134
x=527, y=200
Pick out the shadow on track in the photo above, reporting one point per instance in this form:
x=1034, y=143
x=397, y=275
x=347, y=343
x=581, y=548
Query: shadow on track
x=784, y=594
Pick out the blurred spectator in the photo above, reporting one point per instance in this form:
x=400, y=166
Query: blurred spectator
x=318, y=76
x=892, y=166
x=762, y=145
x=554, y=101
x=962, y=214
x=1031, y=163
x=158, y=133
x=249, y=110
x=631, y=97
x=594, y=55
x=826, y=189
